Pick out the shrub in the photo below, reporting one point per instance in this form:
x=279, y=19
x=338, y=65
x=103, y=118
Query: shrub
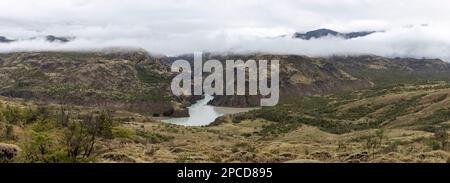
x=81, y=135
x=2, y=118
x=439, y=116
x=39, y=148
x=215, y=158
x=105, y=123
x=11, y=115
x=240, y=117
x=42, y=142
x=42, y=125
x=432, y=143
x=77, y=140
x=153, y=138
x=151, y=151
x=183, y=158
x=441, y=136
x=30, y=116
x=8, y=152
x=9, y=132
x=120, y=132
x=392, y=147
x=242, y=146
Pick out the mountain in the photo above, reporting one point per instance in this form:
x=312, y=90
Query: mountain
x=330, y=109
x=308, y=76
x=390, y=71
x=141, y=82
x=132, y=80
x=51, y=38
x=319, y=33
x=5, y=40
x=48, y=38
x=299, y=76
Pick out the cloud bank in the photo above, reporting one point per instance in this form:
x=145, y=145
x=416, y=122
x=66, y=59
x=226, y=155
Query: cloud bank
x=413, y=28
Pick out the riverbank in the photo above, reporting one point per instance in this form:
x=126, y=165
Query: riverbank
x=201, y=114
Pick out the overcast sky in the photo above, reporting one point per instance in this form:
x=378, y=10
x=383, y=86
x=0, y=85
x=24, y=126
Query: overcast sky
x=414, y=28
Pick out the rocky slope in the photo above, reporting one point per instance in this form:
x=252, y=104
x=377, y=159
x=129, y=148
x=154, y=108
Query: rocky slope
x=141, y=82
x=306, y=76
x=130, y=80
x=299, y=76
x=386, y=71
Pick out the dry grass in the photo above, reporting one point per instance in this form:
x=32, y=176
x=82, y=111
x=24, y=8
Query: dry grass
x=153, y=141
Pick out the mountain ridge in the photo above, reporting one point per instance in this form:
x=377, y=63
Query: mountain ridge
x=320, y=33
x=129, y=77
x=48, y=38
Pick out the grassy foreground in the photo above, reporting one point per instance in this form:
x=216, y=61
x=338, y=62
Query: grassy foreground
x=402, y=123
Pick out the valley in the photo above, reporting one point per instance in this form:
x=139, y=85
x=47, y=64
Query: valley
x=104, y=107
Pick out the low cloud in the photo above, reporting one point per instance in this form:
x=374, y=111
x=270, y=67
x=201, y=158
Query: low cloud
x=412, y=28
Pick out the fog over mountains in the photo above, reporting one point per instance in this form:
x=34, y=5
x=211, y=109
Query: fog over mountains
x=320, y=33
x=48, y=38
x=172, y=27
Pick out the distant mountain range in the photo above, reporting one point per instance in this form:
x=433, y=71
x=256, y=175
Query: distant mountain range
x=315, y=34
x=49, y=38
x=319, y=33
x=5, y=40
